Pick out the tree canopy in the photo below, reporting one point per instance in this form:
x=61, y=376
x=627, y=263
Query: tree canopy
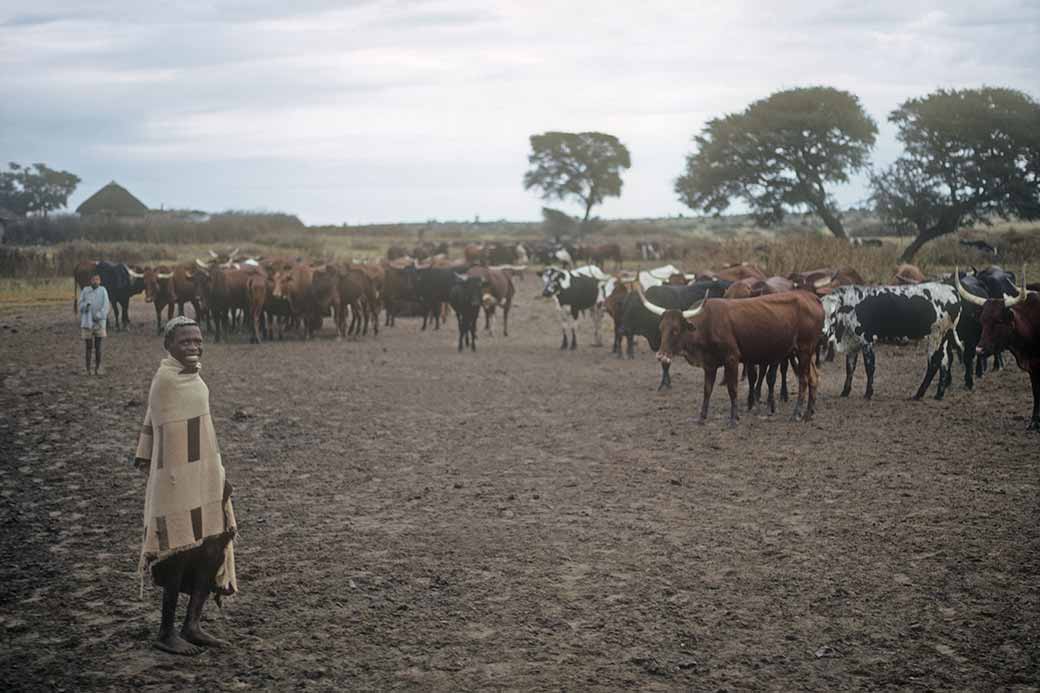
x=779, y=155
x=583, y=165
x=35, y=189
x=969, y=155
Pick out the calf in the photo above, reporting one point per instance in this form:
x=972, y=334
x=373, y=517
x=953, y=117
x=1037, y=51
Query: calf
x=573, y=294
x=465, y=297
x=857, y=315
x=725, y=333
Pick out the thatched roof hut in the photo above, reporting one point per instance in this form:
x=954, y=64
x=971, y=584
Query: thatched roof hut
x=113, y=200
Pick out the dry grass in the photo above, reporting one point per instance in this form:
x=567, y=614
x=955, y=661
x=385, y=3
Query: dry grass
x=24, y=292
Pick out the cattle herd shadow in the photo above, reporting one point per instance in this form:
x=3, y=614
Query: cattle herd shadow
x=523, y=518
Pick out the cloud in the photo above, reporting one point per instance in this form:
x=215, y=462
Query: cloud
x=386, y=110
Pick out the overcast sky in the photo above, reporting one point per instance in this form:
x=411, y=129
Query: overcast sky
x=412, y=110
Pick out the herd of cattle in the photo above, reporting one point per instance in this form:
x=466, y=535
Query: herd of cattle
x=765, y=324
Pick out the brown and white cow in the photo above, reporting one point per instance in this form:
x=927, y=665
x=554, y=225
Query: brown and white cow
x=498, y=292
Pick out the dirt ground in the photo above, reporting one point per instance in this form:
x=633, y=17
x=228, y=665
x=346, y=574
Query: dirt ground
x=522, y=519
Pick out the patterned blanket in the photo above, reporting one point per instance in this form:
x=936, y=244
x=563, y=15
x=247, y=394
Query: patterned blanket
x=184, y=500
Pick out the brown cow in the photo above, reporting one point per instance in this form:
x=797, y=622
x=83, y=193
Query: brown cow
x=732, y=273
x=498, y=291
x=228, y=292
x=599, y=254
x=293, y=286
x=750, y=288
x=760, y=330
x=908, y=274
x=357, y=291
x=824, y=280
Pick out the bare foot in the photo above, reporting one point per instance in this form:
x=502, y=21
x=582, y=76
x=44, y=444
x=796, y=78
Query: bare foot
x=201, y=637
x=175, y=644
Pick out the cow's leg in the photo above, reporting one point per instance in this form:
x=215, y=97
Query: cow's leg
x=868, y=366
x=597, y=321
x=425, y=316
x=934, y=364
x=463, y=336
x=771, y=383
x=709, y=385
x=1034, y=378
x=851, y=359
x=751, y=371
x=969, y=363
x=666, y=378
x=732, y=376
x=564, y=313
x=814, y=383
x=158, y=319
x=784, y=365
x=505, y=318
x=631, y=345
x=473, y=331
x=998, y=361
x=616, y=349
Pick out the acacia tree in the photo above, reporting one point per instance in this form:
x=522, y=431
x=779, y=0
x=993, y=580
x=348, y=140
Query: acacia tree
x=582, y=165
x=35, y=189
x=779, y=155
x=970, y=154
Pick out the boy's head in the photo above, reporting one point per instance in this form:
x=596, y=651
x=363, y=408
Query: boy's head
x=183, y=341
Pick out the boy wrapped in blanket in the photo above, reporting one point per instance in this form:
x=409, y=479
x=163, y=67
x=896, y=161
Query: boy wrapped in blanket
x=189, y=523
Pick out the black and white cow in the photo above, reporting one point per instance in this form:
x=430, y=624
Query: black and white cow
x=573, y=293
x=854, y=316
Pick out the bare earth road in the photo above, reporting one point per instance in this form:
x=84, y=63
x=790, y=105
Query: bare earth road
x=523, y=519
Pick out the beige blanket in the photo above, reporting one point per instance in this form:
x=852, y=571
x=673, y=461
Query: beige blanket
x=184, y=500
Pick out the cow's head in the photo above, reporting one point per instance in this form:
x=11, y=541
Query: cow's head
x=156, y=280
x=678, y=330
x=554, y=281
x=996, y=315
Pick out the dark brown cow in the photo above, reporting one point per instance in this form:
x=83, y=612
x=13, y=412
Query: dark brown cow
x=158, y=290
x=1011, y=323
x=908, y=274
x=614, y=306
x=228, y=292
x=320, y=298
x=599, y=254
x=398, y=289
x=760, y=330
x=498, y=292
x=824, y=280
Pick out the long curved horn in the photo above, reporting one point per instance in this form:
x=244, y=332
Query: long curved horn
x=970, y=298
x=133, y=274
x=655, y=309
x=168, y=275
x=1010, y=301
x=212, y=254
x=200, y=264
x=693, y=312
x=822, y=282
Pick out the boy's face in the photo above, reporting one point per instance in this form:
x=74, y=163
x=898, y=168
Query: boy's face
x=95, y=281
x=186, y=346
